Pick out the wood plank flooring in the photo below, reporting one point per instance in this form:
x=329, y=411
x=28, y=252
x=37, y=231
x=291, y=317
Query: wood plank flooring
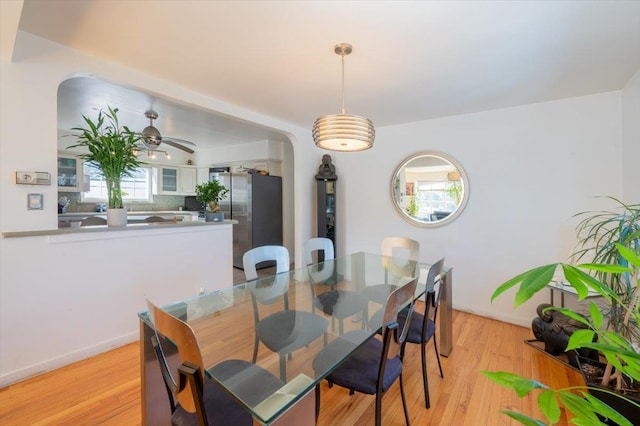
x=105, y=389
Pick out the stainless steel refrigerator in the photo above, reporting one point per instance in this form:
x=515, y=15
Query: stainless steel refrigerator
x=255, y=201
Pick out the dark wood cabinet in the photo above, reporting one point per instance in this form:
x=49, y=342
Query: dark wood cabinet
x=327, y=209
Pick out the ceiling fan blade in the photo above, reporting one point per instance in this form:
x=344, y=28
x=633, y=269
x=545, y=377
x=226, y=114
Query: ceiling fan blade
x=177, y=145
x=182, y=141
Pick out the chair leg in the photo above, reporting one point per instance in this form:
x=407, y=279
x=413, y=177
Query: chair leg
x=283, y=367
x=256, y=342
x=379, y=409
x=317, y=401
x=425, y=382
x=404, y=403
x=435, y=345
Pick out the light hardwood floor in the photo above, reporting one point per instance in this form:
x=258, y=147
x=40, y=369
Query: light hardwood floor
x=106, y=389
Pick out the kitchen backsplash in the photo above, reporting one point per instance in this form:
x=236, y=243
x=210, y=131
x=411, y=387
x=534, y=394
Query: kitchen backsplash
x=161, y=203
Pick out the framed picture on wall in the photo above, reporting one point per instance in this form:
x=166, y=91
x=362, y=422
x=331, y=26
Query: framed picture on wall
x=34, y=201
x=409, y=188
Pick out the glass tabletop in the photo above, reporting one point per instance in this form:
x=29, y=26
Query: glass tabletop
x=296, y=312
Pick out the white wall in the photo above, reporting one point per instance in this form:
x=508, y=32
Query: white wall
x=40, y=289
x=530, y=169
x=631, y=140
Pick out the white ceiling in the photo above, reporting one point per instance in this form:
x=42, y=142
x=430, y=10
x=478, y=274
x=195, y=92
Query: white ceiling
x=412, y=60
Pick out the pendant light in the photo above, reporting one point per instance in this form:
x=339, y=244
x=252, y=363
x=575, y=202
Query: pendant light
x=343, y=132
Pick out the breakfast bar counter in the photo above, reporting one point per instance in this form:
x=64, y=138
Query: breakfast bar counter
x=105, y=228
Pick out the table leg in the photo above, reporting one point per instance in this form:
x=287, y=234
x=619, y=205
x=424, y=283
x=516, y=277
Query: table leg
x=446, y=315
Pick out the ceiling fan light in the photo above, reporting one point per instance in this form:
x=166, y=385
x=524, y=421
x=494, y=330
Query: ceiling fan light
x=151, y=133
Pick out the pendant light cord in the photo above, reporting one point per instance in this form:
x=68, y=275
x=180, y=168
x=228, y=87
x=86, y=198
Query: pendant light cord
x=343, y=111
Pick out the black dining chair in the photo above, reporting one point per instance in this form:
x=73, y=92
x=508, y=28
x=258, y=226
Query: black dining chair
x=324, y=280
x=375, y=365
x=194, y=399
x=422, y=327
x=286, y=330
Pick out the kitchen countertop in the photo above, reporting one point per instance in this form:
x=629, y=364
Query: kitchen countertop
x=130, y=213
x=105, y=228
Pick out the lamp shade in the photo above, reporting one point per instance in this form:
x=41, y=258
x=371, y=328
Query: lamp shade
x=343, y=132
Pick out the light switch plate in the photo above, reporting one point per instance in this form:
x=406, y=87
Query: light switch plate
x=33, y=178
x=26, y=178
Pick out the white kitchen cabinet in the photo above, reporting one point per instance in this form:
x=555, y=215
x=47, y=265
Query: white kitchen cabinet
x=70, y=177
x=173, y=180
x=167, y=180
x=187, y=180
x=202, y=175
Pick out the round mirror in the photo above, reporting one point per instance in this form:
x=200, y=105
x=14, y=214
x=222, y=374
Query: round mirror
x=429, y=189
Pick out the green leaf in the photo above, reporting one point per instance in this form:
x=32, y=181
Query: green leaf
x=534, y=281
x=580, y=338
x=522, y=386
x=606, y=411
x=549, y=406
x=596, y=315
x=578, y=406
x=629, y=255
x=525, y=420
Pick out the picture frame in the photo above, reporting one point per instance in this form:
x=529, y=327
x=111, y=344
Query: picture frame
x=409, y=188
x=34, y=201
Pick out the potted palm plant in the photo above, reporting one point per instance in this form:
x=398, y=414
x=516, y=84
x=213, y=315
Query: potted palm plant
x=611, y=330
x=211, y=193
x=112, y=149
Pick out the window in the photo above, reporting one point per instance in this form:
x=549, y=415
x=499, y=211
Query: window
x=434, y=197
x=136, y=188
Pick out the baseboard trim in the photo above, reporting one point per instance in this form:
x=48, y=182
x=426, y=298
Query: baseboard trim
x=66, y=359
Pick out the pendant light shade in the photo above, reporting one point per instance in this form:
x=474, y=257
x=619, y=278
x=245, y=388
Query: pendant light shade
x=343, y=132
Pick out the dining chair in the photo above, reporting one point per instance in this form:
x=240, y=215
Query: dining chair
x=93, y=220
x=394, y=249
x=195, y=399
x=340, y=304
x=422, y=327
x=285, y=330
x=156, y=219
x=375, y=365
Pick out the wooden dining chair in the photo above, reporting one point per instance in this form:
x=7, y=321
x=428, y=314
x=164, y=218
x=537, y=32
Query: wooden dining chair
x=195, y=399
x=394, y=249
x=286, y=330
x=422, y=327
x=340, y=304
x=375, y=365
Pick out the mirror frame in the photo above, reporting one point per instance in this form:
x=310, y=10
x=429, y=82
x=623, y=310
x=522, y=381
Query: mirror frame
x=455, y=213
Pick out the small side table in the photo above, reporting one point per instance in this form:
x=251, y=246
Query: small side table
x=565, y=288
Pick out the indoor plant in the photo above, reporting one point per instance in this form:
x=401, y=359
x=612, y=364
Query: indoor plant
x=211, y=193
x=614, y=240
x=112, y=150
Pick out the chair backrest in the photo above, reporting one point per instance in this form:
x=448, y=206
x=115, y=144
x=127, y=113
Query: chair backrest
x=395, y=247
x=93, y=220
x=397, y=301
x=318, y=244
x=154, y=219
x=392, y=245
x=182, y=336
x=257, y=255
x=432, y=294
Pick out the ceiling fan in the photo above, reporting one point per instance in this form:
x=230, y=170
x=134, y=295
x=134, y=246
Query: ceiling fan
x=152, y=139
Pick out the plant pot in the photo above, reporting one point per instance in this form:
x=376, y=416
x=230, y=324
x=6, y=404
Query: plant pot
x=117, y=217
x=628, y=410
x=214, y=217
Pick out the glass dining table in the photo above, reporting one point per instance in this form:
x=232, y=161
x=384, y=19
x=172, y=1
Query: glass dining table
x=225, y=322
